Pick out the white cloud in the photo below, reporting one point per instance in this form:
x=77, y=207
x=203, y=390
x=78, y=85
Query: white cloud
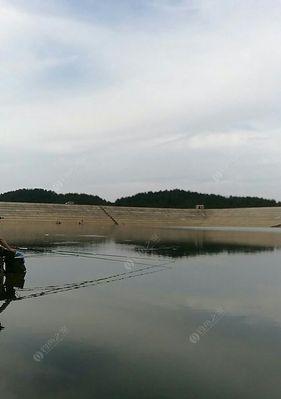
x=202, y=84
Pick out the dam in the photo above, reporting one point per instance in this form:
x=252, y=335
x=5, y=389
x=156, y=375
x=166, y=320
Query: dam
x=12, y=213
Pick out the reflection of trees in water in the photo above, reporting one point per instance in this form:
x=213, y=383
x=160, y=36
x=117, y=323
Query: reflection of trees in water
x=196, y=248
x=165, y=248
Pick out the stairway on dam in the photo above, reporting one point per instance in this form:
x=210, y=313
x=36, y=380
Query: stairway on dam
x=110, y=215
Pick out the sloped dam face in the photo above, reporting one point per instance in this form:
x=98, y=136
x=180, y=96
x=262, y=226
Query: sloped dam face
x=110, y=215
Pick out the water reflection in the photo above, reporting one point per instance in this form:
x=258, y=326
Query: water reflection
x=9, y=282
x=45, y=234
x=192, y=249
x=130, y=336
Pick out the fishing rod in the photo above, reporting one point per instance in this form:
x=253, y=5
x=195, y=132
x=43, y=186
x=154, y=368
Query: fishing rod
x=89, y=255
x=77, y=253
x=100, y=254
x=123, y=259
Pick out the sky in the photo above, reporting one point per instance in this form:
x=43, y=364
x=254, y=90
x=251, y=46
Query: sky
x=116, y=97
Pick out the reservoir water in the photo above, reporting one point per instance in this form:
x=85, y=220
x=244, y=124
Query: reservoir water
x=166, y=313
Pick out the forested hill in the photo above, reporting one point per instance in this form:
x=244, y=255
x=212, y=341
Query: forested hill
x=189, y=199
x=159, y=199
x=38, y=195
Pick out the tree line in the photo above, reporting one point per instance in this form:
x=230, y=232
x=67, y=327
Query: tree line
x=189, y=199
x=158, y=199
x=39, y=195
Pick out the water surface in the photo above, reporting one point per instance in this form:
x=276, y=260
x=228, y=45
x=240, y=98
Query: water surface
x=145, y=314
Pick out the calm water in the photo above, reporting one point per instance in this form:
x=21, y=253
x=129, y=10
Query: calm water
x=145, y=314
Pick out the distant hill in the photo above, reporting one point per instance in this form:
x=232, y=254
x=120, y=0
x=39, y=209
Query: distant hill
x=189, y=199
x=158, y=199
x=38, y=195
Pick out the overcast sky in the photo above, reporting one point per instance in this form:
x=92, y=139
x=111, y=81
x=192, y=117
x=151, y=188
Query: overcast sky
x=113, y=97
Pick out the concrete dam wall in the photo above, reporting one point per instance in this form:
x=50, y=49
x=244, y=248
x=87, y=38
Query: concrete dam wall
x=11, y=212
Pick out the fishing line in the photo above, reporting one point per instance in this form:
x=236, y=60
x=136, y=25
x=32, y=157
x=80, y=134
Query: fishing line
x=163, y=266
x=108, y=259
x=88, y=255
x=96, y=256
x=84, y=284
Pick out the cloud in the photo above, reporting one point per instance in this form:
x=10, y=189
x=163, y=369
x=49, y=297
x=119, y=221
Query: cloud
x=137, y=83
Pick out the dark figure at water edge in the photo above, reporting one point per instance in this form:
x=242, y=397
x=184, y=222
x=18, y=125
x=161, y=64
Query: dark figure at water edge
x=11, y=258
x=8, y=283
